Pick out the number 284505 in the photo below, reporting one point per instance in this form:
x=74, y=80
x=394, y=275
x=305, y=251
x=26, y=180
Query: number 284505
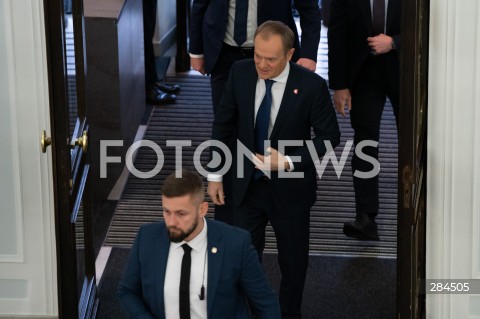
x=448, y=286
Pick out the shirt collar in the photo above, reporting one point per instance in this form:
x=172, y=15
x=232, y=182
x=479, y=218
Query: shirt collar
x=197, y=243
x=282, y=77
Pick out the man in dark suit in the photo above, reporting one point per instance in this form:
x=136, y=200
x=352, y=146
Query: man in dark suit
x=215, y=43
x=363, y=42
x=296, y=100
x=211, y=277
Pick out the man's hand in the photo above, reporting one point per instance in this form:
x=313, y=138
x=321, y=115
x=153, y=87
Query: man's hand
x=342, y=98
x=380, y=44
x=273, y=162
x=307, y=63
x=215, y=191
x=198, y=64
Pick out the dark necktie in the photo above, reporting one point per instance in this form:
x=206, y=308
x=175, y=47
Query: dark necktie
x=185, y=283
x=378, y=18
x=240, y=26
x=262, y=122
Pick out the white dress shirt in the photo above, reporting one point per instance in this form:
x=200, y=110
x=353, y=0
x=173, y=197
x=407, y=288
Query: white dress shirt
x=251, y=23
x=198, y=277
x=278, y=88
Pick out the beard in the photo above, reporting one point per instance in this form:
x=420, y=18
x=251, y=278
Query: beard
x=179, y=234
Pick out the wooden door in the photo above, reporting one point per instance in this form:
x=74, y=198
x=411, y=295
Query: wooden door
x=69, y=139
x=412, y=159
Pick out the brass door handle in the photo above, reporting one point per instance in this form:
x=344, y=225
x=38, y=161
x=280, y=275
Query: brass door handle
x=82, y=141
x=45, y=141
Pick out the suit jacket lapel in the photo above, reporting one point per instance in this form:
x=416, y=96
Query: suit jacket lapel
x=367, y=14
x=161, y=246
x=288, y=100
x=392, y=7
x=215, y=260
x=249, y=89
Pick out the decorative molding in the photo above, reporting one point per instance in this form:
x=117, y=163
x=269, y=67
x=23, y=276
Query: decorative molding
x=11, y=103
x=438, y=130
x=45, y=161
x=13, y=289
x=45, y=178
x=476, y=157
x=439, y=149
x=474, y=307
x=24, y=33
x=453, y=204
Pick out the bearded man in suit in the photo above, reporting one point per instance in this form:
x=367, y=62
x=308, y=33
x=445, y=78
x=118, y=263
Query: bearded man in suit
x=219, y=263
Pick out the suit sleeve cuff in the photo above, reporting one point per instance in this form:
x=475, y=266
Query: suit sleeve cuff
x=214, y=177
x=290, y=164
x=196, y=56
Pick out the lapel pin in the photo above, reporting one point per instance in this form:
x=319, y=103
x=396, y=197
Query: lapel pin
x=295, y=91
x=214, y=250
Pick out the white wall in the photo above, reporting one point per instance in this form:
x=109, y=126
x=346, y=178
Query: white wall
x=27, y=262
x=165, y=31
x=453, y=208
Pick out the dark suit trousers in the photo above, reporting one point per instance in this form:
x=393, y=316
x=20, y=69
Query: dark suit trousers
x=221, y=70
x=149, y=21
x=218, y=81
x=292, y=235
x=368, y=100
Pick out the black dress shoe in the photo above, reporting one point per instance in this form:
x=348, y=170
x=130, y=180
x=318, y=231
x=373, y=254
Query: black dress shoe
x=158, y=97
x=168, y=87
x=362, y=228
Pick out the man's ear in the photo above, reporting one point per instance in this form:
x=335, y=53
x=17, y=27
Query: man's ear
x=290, y=54
x=203, y=209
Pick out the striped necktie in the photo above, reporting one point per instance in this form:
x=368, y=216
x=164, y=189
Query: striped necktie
x=378, y=17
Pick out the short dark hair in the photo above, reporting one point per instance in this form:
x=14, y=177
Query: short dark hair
x=189, y=183
x=269, y=28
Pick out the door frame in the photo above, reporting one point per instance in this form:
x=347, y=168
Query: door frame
x=414, y=57
x=412, y=159
x=67, y=153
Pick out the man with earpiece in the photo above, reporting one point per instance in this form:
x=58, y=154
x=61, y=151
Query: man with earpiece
x=188, y=267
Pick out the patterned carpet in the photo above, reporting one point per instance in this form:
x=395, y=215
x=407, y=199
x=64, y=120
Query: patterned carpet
x=190, y=118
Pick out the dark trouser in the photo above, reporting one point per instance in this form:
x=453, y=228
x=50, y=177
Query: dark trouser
x=292, y=236
x=218, y=81
x=368, y=100
x=149, y=21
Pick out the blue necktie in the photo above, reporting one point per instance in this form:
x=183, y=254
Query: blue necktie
x=240, y=27
x=262, y=122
